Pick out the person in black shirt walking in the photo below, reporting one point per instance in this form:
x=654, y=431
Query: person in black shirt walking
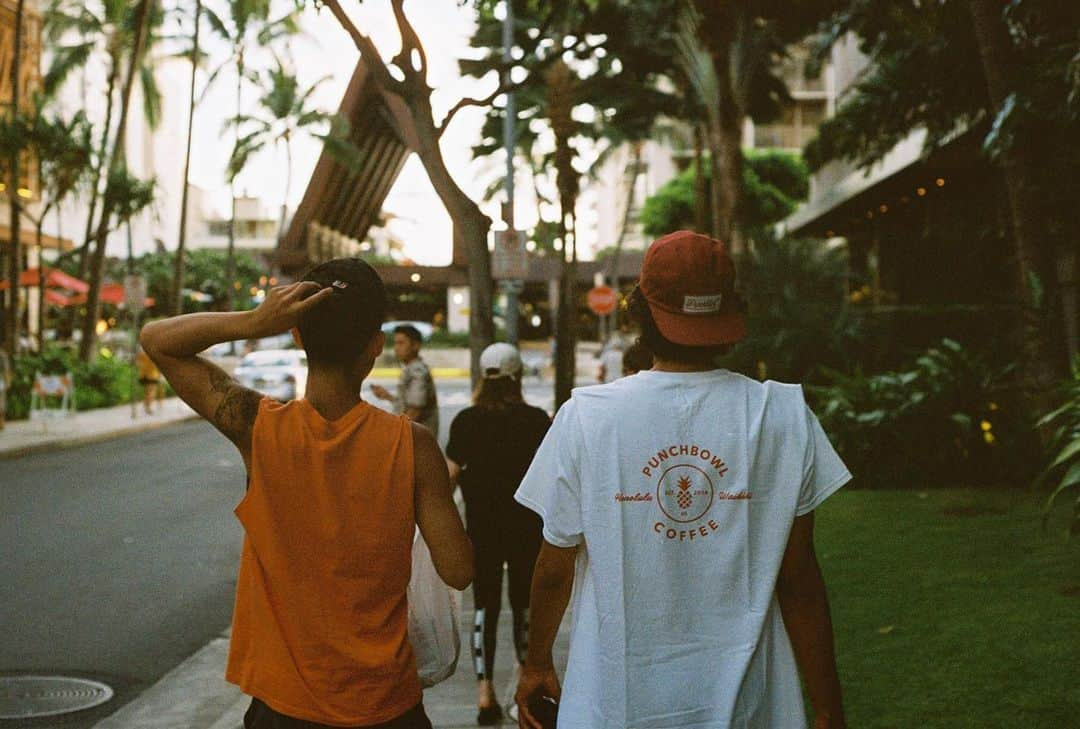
x=491, y=446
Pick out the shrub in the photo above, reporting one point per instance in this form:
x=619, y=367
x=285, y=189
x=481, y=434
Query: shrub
x=799, y=317
x=441, y=338
x=104, y=382
x=946, y=420
x=1063, y=472
x=774, y=182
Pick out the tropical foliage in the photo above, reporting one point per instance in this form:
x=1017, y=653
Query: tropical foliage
x=800, y=322
x=1062, y=475
x=1005, y=73
x=774, y=183
x=205, y=284
x=947, y=419
x=104, y=381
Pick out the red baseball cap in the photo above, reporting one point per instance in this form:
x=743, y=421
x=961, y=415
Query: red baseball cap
x=688, y=280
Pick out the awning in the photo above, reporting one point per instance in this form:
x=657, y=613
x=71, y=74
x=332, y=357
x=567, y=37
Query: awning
x=28, y=238
x=54, y=278
x=111, y=293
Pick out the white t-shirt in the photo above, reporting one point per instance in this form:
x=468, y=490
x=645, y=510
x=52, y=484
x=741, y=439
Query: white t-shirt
x=682, y=489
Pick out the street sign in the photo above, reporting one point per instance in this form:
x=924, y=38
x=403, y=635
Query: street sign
x=510, y=259
x=135, y=293
x=602, y=300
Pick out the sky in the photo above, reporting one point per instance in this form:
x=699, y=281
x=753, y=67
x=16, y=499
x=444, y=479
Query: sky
x=325, y=49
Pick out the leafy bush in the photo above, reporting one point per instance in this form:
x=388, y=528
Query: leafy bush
x=947, y=420
x=799, y=317
x=1063, y=473
x=104, y=382
x=442, y=338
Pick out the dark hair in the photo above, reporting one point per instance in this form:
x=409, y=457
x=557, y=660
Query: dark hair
x=409, y=331
x=497, y=393
x=636, y=358
x=662, y=347
x=336, y=331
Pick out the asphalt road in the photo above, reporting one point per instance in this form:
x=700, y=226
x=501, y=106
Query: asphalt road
x=118, y=559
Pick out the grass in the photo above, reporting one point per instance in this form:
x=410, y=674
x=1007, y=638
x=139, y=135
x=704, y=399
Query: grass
x=952, y=609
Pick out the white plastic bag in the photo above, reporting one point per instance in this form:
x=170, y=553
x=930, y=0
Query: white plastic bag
x=433, y=618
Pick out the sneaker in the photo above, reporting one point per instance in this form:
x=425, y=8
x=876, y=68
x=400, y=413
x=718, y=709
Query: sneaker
x=490, y=715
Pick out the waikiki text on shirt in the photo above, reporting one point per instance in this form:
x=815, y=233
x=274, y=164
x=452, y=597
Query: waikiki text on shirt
x=681, y=489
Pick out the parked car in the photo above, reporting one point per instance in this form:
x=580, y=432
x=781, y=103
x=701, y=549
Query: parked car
x=279, y=373
x=423, y=327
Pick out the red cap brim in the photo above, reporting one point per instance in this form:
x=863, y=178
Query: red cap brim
x=697, y=330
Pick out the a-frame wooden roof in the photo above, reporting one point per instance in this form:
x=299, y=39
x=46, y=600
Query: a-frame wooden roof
x=343, y=197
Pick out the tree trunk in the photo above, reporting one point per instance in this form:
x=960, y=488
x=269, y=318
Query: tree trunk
x=11, y=338
x=471, y=226
x=730, y=182
x=230, y=251
x=1042, y=362
x=177, y=305
x=701, y=204
x=103, y=148
x=41, y=285
x=566, y=317
x=284, y=204
x=97, y=268
x=631, y=186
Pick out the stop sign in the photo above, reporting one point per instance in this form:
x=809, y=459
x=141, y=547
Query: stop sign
x=602, y=300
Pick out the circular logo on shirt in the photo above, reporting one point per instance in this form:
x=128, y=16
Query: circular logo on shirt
x=685, y=493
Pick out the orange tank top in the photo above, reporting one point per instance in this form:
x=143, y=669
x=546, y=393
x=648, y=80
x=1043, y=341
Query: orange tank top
x=320, y=623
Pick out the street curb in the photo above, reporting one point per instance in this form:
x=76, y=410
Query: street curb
x=194, y=694
x=437, y=373
x=78, y=440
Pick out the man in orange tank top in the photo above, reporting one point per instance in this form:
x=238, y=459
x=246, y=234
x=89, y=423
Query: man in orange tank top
x=336, y=489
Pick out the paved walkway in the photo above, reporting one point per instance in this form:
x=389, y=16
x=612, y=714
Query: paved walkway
x=23, y=437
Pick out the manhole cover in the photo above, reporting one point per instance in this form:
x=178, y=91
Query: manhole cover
x=24, y=697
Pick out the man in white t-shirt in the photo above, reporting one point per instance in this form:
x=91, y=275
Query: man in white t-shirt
x=678, y=512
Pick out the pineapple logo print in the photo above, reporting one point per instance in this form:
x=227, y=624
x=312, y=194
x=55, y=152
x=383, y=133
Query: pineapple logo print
x=684, y=497
x=685, y=493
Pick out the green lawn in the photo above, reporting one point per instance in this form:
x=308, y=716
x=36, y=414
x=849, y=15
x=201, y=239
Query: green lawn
x=952, y=609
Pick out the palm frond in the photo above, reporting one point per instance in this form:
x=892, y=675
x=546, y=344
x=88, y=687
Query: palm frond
x=66, y=59
x=151, y=95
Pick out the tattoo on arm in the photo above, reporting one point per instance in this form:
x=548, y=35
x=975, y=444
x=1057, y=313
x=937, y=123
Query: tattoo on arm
x=235, y=414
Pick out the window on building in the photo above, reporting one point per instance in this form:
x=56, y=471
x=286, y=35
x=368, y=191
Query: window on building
x=796, y=126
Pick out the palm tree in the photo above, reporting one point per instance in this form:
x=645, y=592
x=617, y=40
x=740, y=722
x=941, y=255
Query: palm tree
x=284, y=112
x=619, y=88
x=14, y=245
x=181, y=241
x=76, y=31
x=109, y=204
x=63, y=151
x=246, y=23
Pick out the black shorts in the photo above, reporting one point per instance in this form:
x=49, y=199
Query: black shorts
x=261, y=716
x=144, y=381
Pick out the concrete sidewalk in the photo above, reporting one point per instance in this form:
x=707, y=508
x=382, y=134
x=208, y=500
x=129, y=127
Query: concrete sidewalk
x=25, y=437
x=194, y=695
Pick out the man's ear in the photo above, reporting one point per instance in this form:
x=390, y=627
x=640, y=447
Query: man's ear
x=296, y=337
x=376, y=346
